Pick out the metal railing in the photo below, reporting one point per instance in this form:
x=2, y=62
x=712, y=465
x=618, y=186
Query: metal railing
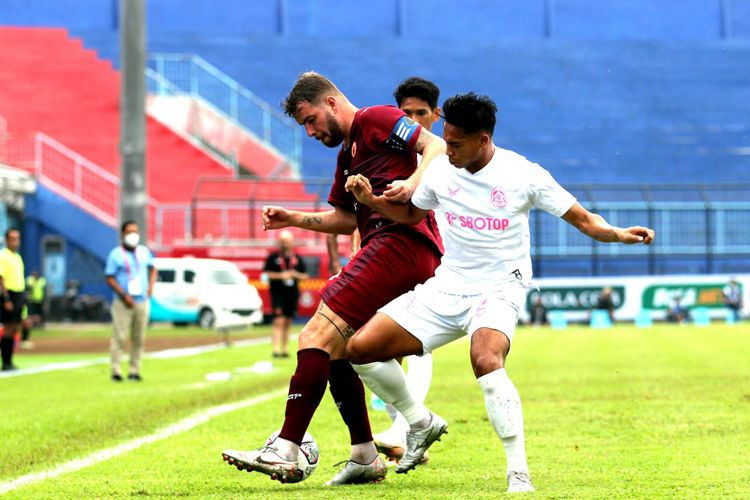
x=203, y=223
x=80, y=181
x=67, y=173
x=194, y=76
x=697, y=232
x=692, y=236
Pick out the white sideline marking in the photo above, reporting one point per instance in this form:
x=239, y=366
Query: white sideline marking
x=103, y=455
x=165, y=354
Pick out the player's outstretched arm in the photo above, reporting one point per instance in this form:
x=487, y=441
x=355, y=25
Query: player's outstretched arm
x=407, y=213
x=594, y=226
x=429, y=146
x=335, y=221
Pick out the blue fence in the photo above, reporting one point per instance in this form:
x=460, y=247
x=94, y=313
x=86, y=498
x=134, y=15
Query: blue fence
x=700, y=229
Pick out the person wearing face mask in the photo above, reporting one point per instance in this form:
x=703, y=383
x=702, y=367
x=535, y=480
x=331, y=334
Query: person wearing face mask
x=131, y=275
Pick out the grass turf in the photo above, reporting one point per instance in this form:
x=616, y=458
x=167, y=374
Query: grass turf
x=655, y=413
x=77, y=331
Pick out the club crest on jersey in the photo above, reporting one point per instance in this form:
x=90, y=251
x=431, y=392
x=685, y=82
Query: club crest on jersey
x=354, y=149
x=498, y=197
x=481, y=308
x=401, y=134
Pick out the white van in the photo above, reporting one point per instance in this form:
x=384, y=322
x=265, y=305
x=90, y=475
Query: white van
x=210, y=292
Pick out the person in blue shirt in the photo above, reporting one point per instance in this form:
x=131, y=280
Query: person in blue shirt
x=131, y=275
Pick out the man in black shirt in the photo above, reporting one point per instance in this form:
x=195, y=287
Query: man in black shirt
x=284, y=269
x=606, y=302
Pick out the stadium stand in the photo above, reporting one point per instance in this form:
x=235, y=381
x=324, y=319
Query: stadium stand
x=51, y=84
x=619, y=100
x=61, y=121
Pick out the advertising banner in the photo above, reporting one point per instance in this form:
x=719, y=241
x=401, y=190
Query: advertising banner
x=576, y=297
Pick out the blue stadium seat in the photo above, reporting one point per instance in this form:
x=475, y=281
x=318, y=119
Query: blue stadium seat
x=600, y=319
x=700, y=316
x=643, y=319
x=557, y=320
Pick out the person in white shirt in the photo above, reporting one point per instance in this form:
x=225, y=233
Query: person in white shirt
x=418, y=98
x=485, y=194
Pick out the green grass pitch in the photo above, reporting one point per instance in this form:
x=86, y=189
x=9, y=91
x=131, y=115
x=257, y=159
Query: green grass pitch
x=662, y=412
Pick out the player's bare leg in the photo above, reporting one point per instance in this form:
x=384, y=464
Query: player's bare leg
x=372, y=351
x=488, y=351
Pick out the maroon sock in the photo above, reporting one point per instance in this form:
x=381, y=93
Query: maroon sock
x=349, y=394
x=306, y=389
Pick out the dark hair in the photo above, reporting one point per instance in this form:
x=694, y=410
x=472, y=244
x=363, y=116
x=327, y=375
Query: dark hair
x=470, y=112
x=419, y=88
x=126, y=224
x=310, y=87
x=11, y=230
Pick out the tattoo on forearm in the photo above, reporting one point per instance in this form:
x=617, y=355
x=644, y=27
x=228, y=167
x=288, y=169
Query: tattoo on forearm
x=310, y=220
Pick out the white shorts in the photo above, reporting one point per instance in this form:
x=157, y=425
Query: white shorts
x=437, y=318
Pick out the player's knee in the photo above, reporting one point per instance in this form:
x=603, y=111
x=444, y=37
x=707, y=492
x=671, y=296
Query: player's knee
x=356, y=351
x=318, y=335
x=485, y=362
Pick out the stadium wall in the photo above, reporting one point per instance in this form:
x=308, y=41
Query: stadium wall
x=86, y=240
x=632, y=296
x=574, y=19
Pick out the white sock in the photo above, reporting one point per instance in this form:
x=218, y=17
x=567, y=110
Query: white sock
x=398, y=429
x=418, y=378
x=388, y=382
x=392, y=412
x=504, y=409
x=419, y=375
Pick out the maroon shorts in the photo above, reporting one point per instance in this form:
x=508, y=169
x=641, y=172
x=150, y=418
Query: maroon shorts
x=391, y=264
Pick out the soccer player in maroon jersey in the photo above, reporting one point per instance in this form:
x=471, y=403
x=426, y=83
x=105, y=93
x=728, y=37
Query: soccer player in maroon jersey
x=380, y=143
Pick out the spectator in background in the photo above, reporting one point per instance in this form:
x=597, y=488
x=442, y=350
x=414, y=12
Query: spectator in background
x=36, y=292
x=677, y=313
x=284, y=269
x=131, y=275
x=733, y=298
x=606, y=302
x=538, y=312
x=72, y=301
x=13, y=292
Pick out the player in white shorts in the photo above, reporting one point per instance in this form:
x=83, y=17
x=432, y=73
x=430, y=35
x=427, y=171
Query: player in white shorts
x=418, y=98
x=485, y=194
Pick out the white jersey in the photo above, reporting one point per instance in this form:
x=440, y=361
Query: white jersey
x=486, y=219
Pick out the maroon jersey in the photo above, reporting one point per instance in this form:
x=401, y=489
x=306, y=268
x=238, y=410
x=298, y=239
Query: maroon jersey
x=381, y=148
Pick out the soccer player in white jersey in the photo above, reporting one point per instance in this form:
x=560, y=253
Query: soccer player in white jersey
x=418, y=98
x=485, y=194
